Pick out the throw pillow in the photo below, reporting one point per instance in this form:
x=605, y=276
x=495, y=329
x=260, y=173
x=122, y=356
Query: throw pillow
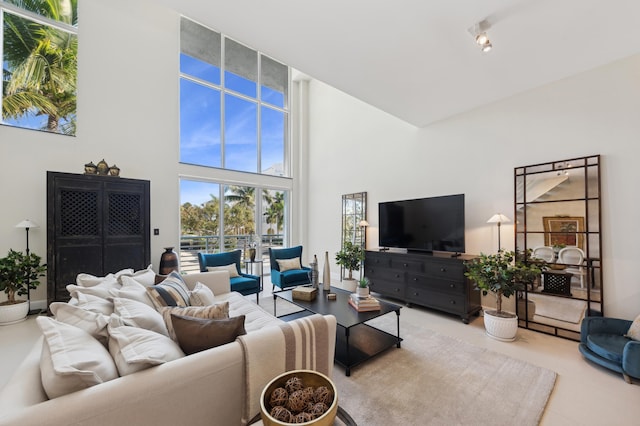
x=71, y=359
x=134, y=349
x=171, y=292
x=94, y=323
x=99, y=290
x=139, y=315
x=88, y=280
x=221, y=310
x=231, y=269
x=146, y=277
x=634, y=329
x=199, y=334
x=289, y=264
x=201, y=295
x=94, y=303
x=132, y=289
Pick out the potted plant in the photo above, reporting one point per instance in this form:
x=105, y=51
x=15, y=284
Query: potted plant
x=502, y=274
x=363, y=287
x=19, y=272
x=350, y=257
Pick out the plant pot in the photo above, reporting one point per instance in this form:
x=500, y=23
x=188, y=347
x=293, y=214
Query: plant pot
x=362, y=291
x=349, y=284
x=503, y=328
x=11, y=314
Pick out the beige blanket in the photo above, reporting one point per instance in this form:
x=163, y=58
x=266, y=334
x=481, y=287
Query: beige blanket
x=306, y=343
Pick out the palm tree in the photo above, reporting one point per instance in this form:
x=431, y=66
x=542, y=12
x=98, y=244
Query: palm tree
x=274, y=213
x=41, y=73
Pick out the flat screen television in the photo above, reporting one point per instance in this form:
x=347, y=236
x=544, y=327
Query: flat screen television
x=423, y=224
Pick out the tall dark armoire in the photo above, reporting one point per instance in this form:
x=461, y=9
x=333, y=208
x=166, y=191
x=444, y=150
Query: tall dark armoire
x=96, y=225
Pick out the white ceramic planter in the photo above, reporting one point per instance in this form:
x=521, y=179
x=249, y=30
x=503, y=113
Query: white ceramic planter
x=500, y=328
x=362, y=291
x=11, y=314
x=349, y=284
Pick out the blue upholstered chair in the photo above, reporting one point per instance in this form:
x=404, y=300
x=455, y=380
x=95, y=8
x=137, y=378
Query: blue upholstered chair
x=291, y=277
x=244, y=283
x=603, y=341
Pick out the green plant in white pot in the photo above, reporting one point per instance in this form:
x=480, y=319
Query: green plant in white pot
x=363, y=287
x=502, y=274
x=350, y=257
x=19, y=273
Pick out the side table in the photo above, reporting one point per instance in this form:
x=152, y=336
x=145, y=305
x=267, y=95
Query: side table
x=248, y=270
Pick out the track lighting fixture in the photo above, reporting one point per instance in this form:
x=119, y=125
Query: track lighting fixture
x=479, y=32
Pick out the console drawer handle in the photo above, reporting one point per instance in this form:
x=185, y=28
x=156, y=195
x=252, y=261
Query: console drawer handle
x=415, y=294
x=415, y=279
x=453, y=302
x=452, y=285
x=405, y=265
x=443, y=269
x=397, y=275
x=397, y=290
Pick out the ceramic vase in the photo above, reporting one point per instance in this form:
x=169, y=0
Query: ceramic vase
x=168, y=261
x=326, y=273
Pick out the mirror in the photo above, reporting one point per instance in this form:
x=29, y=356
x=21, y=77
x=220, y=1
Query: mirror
x=354, y=211
x=557, y=210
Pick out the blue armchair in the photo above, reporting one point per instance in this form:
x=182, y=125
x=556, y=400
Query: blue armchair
x=603, y=341
x=291, y=277
x=244, y=284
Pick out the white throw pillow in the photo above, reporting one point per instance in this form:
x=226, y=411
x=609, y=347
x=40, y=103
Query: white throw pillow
x=634, y=329
x=146, y=277
x=289, y=264
x=201, y=295
x=88, y=280
x=132, y=289
x=134, y=349
x=94, y=323
x=139, y=315
x=232, y=269
x=97, y=290
x=71, y=359
x=94, y=303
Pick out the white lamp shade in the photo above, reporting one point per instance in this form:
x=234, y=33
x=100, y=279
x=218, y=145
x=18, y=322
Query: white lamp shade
x=499, y=218
x=27, y=224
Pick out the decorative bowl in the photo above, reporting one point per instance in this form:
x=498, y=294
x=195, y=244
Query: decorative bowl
x=309, y=378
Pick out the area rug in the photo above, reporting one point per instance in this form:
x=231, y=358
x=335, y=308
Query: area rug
x=438, y=380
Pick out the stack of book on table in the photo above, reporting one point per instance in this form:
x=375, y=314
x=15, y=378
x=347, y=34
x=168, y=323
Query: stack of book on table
x=364, y=303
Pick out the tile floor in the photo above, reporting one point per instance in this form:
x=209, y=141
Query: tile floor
x=584, y=394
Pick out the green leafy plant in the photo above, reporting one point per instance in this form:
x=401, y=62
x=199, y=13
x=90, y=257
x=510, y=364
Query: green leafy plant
x=350, y=257
x=503, y=274
x=363, y=282
x=19, y=273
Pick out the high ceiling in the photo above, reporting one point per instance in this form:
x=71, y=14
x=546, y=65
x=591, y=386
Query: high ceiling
x=415, y=59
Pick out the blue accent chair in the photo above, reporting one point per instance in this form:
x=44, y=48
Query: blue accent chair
x=245, y=284
x=603, y=341
x=292, y=277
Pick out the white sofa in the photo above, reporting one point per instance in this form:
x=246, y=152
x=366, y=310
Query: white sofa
x=205, y=388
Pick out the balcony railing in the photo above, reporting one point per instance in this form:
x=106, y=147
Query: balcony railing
x=191, y=245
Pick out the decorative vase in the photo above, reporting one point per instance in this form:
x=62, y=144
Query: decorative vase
x=90, y=168
x=114, y=170
x=103, y=168
x=326, y=274
x=362, y=291
x=349, y=284
x=168, y=261
x=501, y=328
x=16, y=312
x=314, y=273
x=252, y=254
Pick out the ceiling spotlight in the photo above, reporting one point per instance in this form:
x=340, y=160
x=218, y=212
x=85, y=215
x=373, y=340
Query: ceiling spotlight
x=479, y=33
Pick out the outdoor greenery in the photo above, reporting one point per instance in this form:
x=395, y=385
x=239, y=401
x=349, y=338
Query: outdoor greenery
x=503, y=273
x=239, y=208
x=350, y=257
x=40, y=65
x=16, y=270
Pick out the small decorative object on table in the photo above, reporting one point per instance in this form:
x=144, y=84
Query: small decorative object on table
x=299, y=396
x=364, y=303
x=363, y=287
x=90, y=168
x=314, y=273
x=331, y=296
x=304, y=293
x=114, y=170
x=168, y=261
x=103, y=168
x=326, y=273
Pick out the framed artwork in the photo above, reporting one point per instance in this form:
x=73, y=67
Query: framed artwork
x=563, y=230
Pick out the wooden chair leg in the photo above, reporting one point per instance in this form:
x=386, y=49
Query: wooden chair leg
x=627, y=378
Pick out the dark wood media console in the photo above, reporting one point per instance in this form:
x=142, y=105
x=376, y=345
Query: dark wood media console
x=435, y=281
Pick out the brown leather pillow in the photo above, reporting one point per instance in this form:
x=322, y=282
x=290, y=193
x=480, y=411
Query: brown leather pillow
x=199, y=334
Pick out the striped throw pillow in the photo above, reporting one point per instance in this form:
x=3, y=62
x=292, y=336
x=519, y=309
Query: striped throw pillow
x=171, y=292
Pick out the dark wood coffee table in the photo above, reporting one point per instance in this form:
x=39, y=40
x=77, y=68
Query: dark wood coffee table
x=360, y=341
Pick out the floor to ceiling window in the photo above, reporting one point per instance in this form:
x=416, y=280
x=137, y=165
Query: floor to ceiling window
x=234, y=117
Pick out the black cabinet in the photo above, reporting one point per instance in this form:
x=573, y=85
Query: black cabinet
x=428, y=280
x=95, y=224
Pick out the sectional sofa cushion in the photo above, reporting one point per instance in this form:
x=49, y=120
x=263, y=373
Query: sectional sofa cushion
x=137, y=314
x=199, y=334
x=132, y=289
x=201, y=295
x=93, y=323
x=71, y=359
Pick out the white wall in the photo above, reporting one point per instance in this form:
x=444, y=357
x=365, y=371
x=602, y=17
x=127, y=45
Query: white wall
x=354, y=147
